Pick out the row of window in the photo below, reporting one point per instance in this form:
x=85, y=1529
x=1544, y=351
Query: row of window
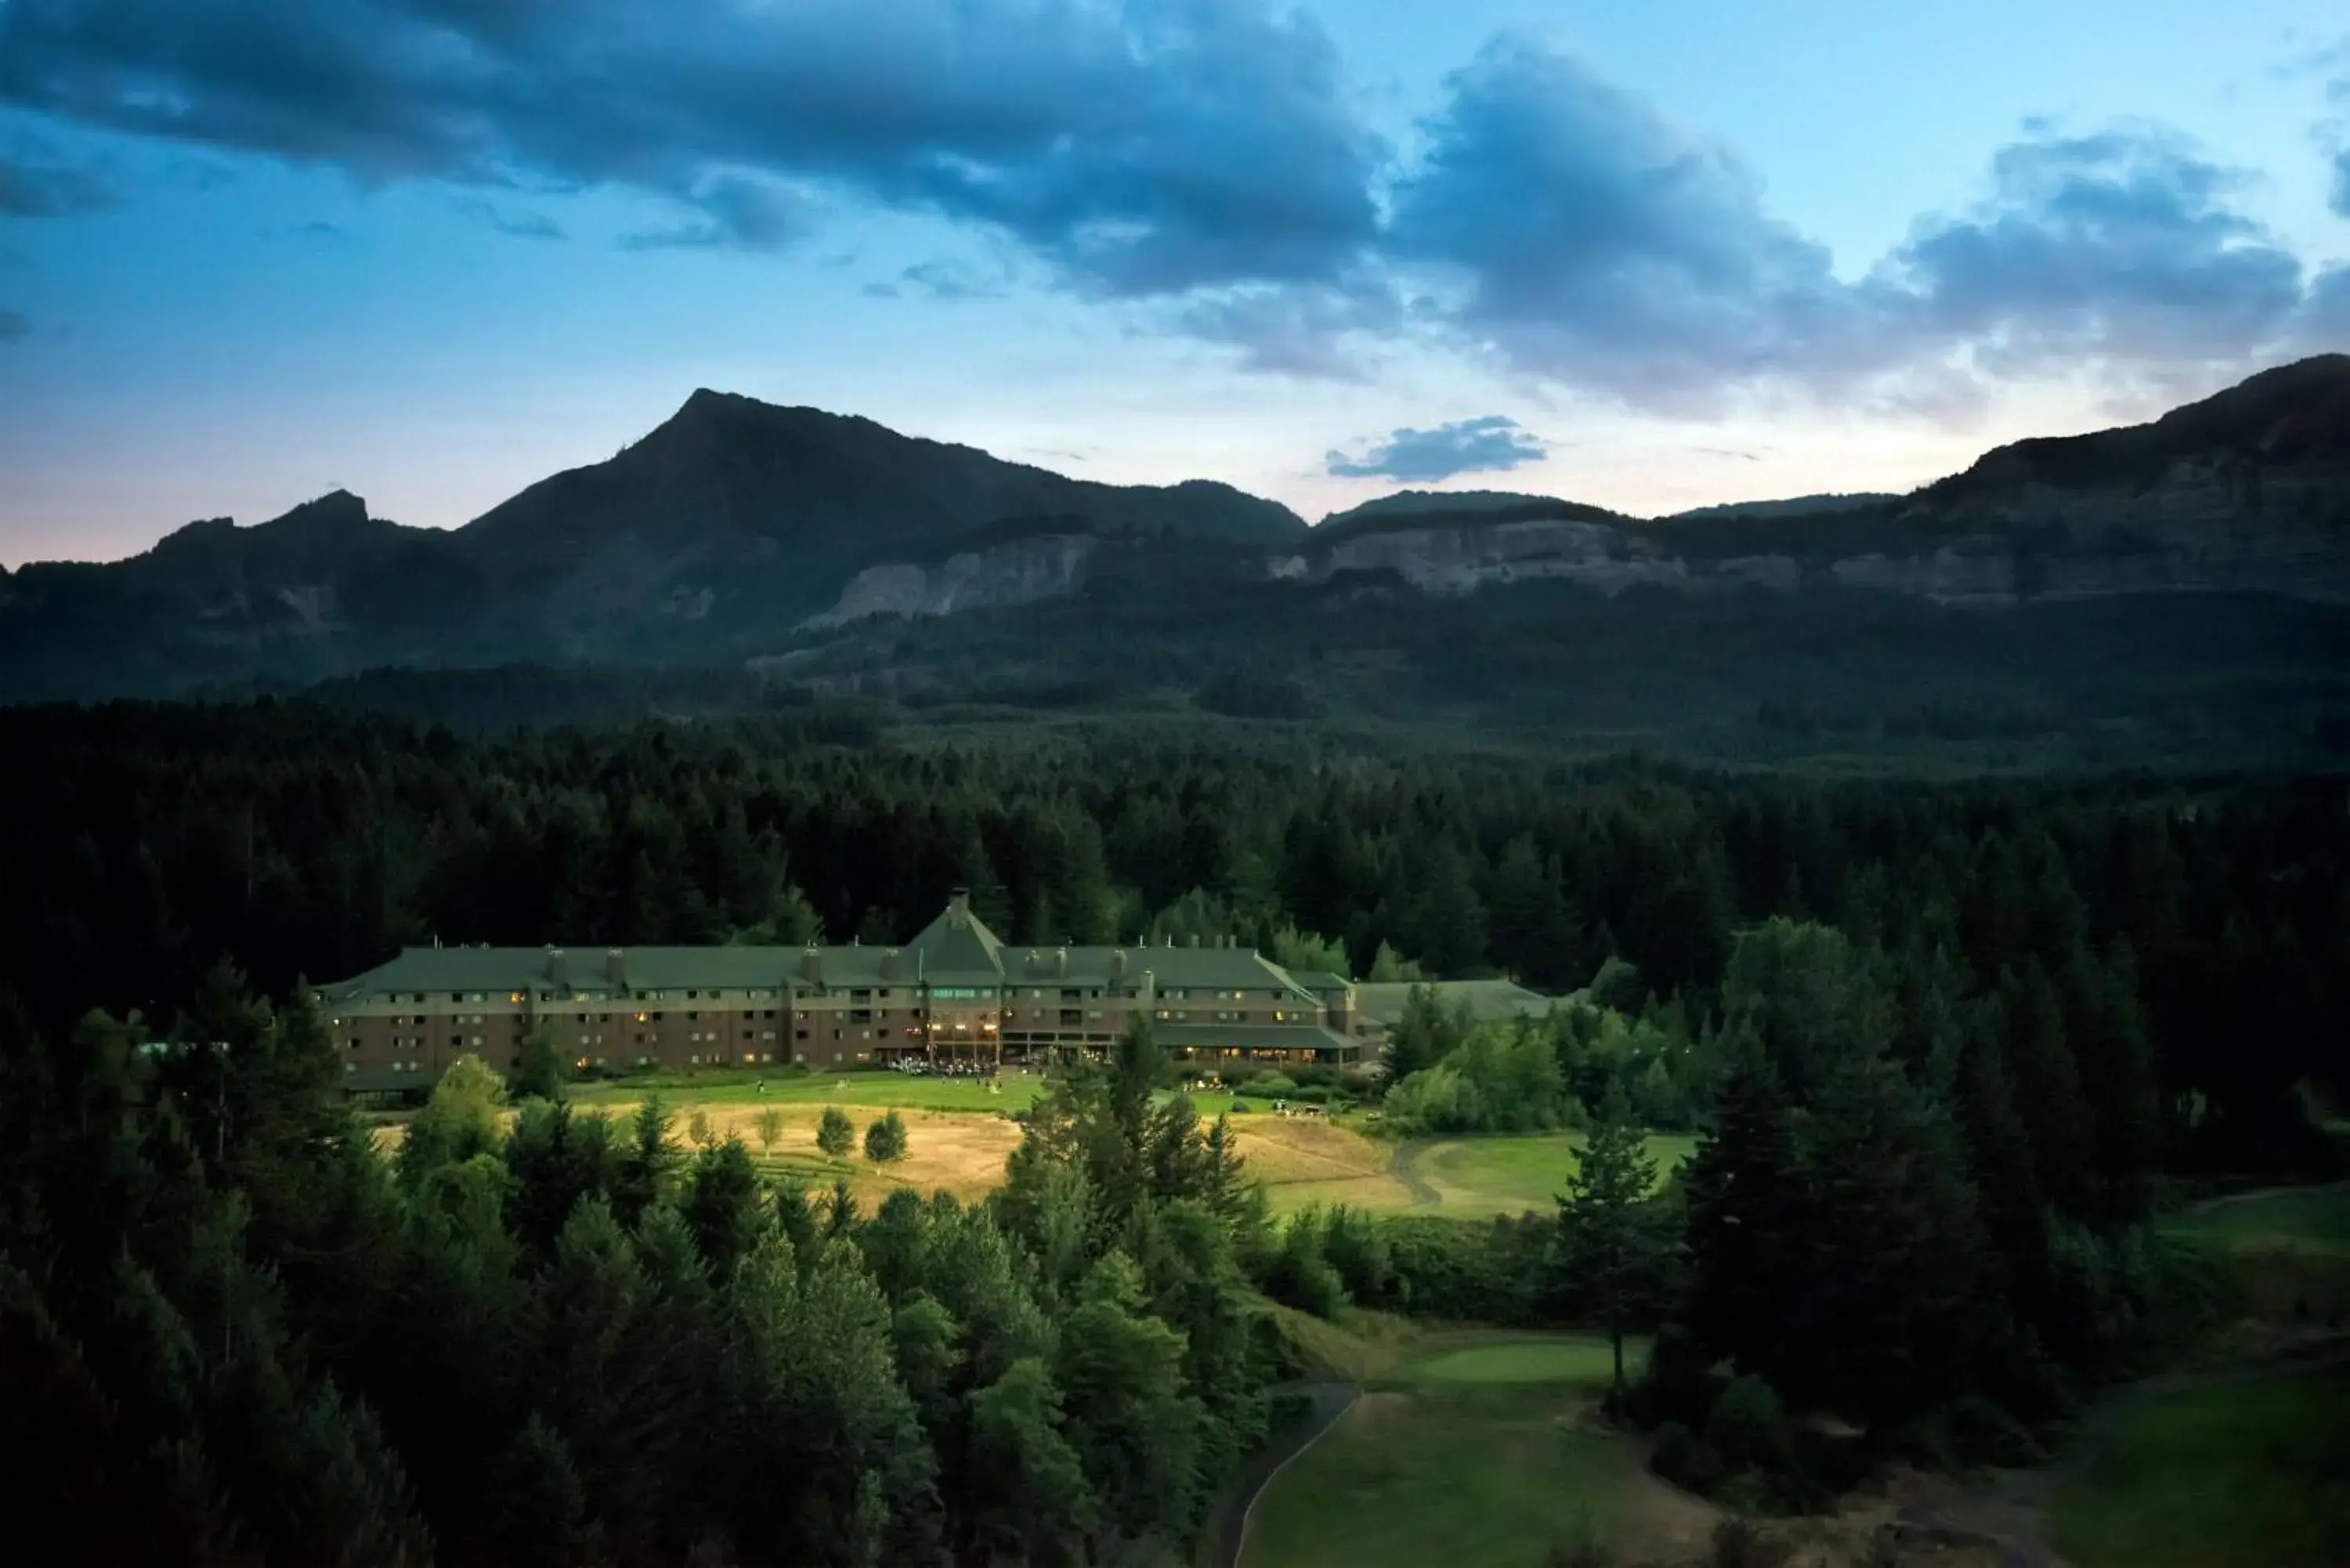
x=857, y=995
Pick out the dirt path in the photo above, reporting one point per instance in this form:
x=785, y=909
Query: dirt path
x=1328, y=1402
x=1405, y=1168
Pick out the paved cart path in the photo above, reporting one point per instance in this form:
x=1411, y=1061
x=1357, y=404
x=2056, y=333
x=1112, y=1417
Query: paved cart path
x=1328, y=1402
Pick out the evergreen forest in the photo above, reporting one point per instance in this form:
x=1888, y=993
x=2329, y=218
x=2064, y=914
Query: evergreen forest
x=1946, y=1050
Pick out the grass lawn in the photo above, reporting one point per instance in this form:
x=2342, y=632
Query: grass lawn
x=1481, y=1176
x=683, y=1091
x=1484, y=1452
x=2316, y=1217
x=1582, y=1361
x=2288, y=1251
x=955, y=1149
x=1301, y=1159
x=2242, y=1475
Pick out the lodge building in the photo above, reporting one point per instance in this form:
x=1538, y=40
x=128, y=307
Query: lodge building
x=953, y=994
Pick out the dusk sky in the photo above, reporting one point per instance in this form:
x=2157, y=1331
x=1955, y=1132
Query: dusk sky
x=1646, y=255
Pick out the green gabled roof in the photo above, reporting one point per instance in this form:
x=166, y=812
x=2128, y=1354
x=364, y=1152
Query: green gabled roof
x=956, y=946
x=1488, y=999
x=1185, y=969
x=590, y=971
x=1320, y=981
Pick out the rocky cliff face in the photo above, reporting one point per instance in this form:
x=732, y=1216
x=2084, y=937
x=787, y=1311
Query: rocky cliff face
x=1462, y=556
x=1017, y=572
x=2205, y=523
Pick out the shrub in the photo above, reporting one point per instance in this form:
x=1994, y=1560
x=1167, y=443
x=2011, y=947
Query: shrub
x=1749, y=1428
x=1240, y=1107
x=1686, y=1460
x=1312, y=1094
x=885, y=1140
x=835, y=1133
x=1273, y=1086
x=1357, y=1249
x=1299, y=1274
x=1681, y=1384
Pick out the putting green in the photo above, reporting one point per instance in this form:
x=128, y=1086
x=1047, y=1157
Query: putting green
x=1528, y=1361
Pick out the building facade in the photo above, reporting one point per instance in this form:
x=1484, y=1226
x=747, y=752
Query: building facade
x=954, y=994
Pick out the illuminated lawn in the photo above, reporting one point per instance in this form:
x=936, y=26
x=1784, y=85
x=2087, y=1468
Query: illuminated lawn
x=1582, y=1361
x=1301, y=1159
x=1014, y=1091
x=1479, y=1177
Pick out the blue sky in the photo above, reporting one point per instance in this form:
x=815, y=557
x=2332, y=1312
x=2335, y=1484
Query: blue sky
x=1650, y=257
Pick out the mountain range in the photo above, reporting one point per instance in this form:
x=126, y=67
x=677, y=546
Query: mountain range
x=742, y=533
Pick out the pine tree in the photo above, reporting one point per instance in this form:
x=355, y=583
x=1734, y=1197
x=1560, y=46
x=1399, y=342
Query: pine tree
x=1608, y=1241
x=539, y=1073
x=1427, y=1033
x=885, y=1140
x=2047, y=1082
x=1749, y=1207
x=835, y=1135
x=1895, y=1312
x=2106, y=1025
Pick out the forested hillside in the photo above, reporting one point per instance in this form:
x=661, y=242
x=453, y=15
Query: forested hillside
x=141, y=847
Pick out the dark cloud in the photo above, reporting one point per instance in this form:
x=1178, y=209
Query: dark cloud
x=1312, y=330
x=1465, y=446
x=520, y=225
x=1593, y=241
x=1145, y=146
x=947, y=280
x=14, y=328
x=938, y=280
x=1586, y=239
x=2325, y=324
x=318, y=229
x=36, y=183
x=1206, y=156
x=2338, y=198
x=2120, y=249
x=741, y=214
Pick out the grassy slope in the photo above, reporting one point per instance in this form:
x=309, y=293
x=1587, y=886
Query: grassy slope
x=2239, y=1475
x=1480, y=1450
x=2287, y=1250
x=1486, y=1176
x=2314, y=1217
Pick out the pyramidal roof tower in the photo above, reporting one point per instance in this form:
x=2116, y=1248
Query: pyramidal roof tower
x=957, y=947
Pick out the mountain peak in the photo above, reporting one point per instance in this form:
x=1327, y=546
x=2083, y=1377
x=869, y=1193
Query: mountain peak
x=338, y=508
